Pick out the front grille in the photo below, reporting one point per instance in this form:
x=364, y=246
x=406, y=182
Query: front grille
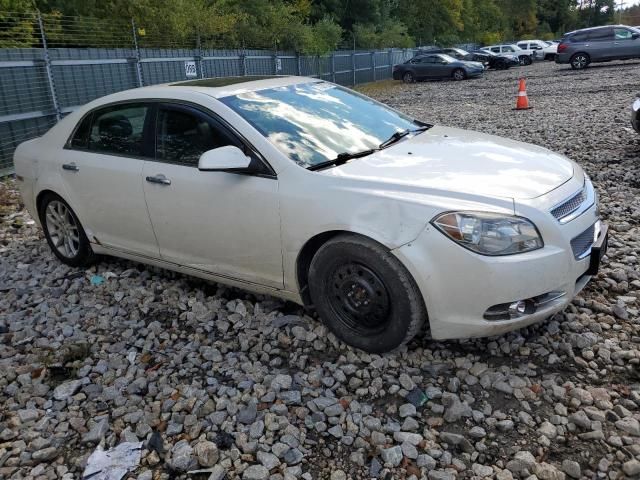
x=568, y=207
x=582, y=243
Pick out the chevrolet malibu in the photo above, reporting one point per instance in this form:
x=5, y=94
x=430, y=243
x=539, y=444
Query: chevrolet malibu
x=301, y=189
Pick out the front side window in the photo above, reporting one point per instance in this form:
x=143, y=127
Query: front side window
x=118, y=129
x=183, y=135
x=622, y=34
x=523, y=46
x=314, y=122
x=80, y=137
x=495, y=49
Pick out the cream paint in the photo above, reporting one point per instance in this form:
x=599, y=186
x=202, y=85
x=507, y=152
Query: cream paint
x=248, y=232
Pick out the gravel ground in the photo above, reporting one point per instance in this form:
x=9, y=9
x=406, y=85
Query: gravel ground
x=223, y=382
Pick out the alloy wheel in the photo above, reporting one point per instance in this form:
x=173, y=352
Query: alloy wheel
x=63, y=229
x=408, y=77
x=579, y=62
x=458, y=75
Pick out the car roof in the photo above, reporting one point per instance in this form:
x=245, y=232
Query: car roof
x=219, y=87
x=593, y=28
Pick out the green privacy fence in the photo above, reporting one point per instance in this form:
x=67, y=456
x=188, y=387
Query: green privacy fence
x=50, y=65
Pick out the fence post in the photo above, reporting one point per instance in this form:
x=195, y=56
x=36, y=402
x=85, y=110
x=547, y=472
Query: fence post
x=199, y=64
x=373, y=64
x=298, y=66
x=353, y=65
x=137, y=57
x=333, y=67
x=47, y=66
x=243, y=58
x=391, y=62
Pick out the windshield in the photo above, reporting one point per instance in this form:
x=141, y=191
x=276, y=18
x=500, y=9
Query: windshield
x=314, y=122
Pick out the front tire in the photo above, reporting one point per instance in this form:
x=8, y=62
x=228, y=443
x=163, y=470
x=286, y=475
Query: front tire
x=580, y=61
x=459, y=74
x=525, y=60
x=364, y=295
x=64, y=233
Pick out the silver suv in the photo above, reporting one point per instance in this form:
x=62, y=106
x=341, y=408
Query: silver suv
x=598, y=44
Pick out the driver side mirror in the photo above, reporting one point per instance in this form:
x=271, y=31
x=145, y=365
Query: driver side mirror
x=635, y=35
x=224, y=159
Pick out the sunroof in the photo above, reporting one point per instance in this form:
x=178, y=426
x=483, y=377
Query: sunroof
x=220, y=82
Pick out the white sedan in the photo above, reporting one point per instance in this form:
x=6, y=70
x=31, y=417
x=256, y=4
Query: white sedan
x=305, y=190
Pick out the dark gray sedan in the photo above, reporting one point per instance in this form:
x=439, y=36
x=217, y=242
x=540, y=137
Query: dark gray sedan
x=427, y=66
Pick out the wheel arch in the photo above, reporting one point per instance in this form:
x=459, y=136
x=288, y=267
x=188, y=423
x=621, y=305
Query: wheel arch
x=311, y=247
x=308, y=251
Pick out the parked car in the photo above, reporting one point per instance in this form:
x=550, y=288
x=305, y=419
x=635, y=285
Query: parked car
x=436, y=65
x=541, y=49
x=635, y=114
x=598, y=44
x=305, y=190
x=494, y=60
x=525, y=56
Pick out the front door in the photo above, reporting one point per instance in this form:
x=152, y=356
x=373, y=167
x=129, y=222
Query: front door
x=101, y=167
x=600, y=44
x=217, y=222
x=625, y=44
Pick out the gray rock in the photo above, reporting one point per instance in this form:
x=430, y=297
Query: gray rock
x=207, y=453
x=629, y=425
x=571, y=468
x=482, y=470
x=631, y=468
x=66, y=390
x=407, y=410
x=269, y=460
x=392, y=455
x=181, y=457
x=255, y=472
x=96, y=433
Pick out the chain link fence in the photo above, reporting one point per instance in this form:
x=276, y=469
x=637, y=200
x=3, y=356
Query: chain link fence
x=51, y=64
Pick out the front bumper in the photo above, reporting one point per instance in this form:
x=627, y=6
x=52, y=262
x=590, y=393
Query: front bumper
x=459, y=286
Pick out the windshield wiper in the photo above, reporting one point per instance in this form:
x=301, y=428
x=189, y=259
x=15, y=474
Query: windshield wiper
x=342, y=158
x=401, y=134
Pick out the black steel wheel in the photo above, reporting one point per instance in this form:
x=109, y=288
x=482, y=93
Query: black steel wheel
x=364, y=295
x=459, y=74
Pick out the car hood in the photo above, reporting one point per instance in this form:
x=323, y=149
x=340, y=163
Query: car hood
x=452, y=159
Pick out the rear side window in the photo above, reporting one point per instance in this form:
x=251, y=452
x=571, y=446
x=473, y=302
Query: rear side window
x=495, y=49
x=80, y=137
x=184, y=134
x=579, y=37
x=523, y=46
x=118, y=129
x=508, y=49
x=601, y=34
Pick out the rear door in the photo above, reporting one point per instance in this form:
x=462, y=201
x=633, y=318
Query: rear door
x=101, y=167
x=222, y=223
x=600, y=44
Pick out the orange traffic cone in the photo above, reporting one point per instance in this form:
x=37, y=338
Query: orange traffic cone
x=523, y=100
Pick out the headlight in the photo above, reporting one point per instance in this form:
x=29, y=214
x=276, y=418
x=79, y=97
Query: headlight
x=489, y=233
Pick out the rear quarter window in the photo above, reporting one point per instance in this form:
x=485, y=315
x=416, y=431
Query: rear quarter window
x=578, y=37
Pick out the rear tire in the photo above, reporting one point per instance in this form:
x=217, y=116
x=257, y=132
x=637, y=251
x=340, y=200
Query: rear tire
x=364, y=295
x=459, y=74
x=408, y=77
x=64, y=232
x=580, y=61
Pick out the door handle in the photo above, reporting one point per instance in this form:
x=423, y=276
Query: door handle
x=160, y=179
x=72, y=167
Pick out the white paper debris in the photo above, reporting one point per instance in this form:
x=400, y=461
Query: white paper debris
x=113, y=464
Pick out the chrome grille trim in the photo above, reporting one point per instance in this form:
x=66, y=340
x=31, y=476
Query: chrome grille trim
x=576, y=204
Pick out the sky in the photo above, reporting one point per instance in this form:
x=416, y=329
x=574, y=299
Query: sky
x=628, y=3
